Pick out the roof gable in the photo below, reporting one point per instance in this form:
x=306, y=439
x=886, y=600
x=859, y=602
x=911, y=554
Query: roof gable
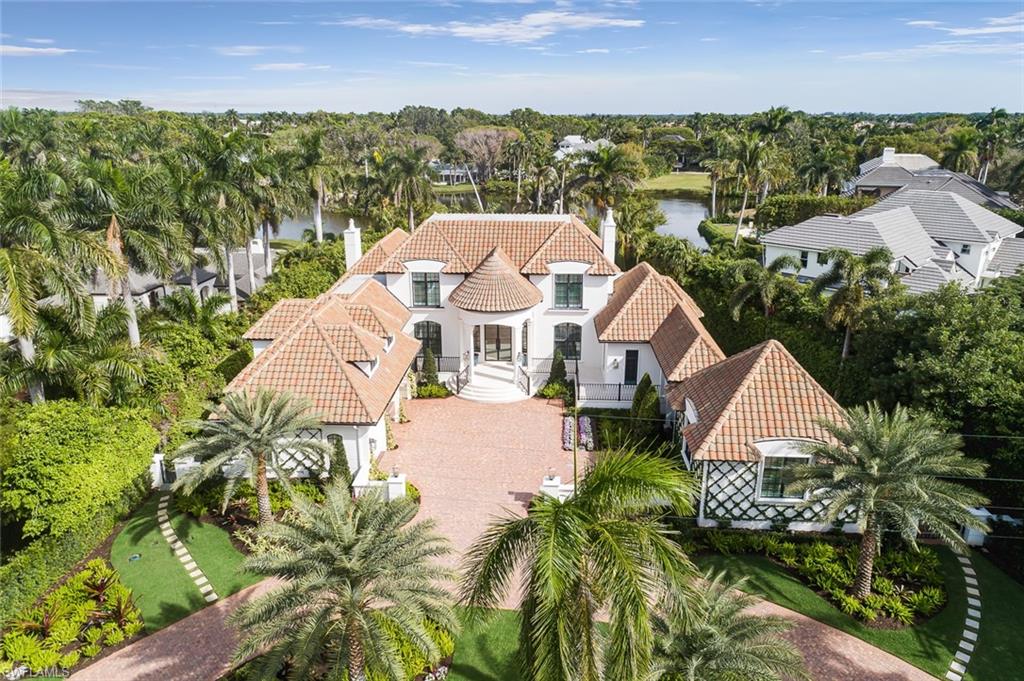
x=640, y=302
x=379, y=252
x=495, y=286
x=946, y=216
x=683, y=346
x=761, y=393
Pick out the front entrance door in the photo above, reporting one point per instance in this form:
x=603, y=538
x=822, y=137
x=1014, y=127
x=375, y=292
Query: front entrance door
x=497, y=343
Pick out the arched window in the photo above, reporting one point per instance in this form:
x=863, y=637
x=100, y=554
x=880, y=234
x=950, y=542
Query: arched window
x=567, y=339
x=429, y=335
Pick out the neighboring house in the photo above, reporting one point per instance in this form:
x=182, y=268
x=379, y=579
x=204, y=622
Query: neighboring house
x=449, y=173
x=579, y=146
x=347, y=354
x=744, y=422
x=891, y=172
x=935, y=237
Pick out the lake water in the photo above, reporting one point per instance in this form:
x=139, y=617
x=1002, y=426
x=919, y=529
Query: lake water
x=682, y=218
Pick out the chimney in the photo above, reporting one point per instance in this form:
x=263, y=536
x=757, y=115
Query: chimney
x=608, y=235
x=889, y=155
x=353, y=244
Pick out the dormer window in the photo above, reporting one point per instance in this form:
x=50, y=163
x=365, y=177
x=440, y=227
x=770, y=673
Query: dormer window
x=389, y=342
x=568, y=291
x=426, y=289
x=965, y=249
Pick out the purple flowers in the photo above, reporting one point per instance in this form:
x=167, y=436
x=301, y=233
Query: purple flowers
x=586, y=432
x=567, y=433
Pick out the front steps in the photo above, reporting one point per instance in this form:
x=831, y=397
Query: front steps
x=493, y=384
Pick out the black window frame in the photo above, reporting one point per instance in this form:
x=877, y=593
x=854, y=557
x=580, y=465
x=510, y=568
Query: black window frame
x=635, y=354
x=424, y=332
x=568, y=292
x=778, y=477
x=571, y=340
x=426, y=289
x=822, y=258
x=804, y=256
x=965, y=249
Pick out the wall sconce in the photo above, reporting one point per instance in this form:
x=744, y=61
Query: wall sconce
x=394, y=471
x=615, y=363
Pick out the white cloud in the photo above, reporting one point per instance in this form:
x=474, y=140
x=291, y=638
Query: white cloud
x=1012, y=23
x=942, y=48
x=39, y=41
x=208, y=78
x=277, y=23
x=24, y=51
x=594, y=50
x=816, y=51
x=290, y=66
x=437, y=65
x=254, y=50
x=528, y=28
x=123, y=67
x=709, y=40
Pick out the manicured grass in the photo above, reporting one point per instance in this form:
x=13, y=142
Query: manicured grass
x=465, y=188
x=285, y=244
x=999, y=650
x=163, y=590
x=929, y=646
x=485, y=650
x=673, y=182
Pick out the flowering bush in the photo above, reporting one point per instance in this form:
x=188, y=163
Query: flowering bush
x=567, y=433
x=586, y=431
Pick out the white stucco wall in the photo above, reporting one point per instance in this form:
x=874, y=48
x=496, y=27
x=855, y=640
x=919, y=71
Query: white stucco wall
x=363, y=444
x=647, y=364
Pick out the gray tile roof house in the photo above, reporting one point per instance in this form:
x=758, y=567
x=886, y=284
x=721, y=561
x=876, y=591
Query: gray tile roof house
x=940, y=237
x=891, y=171
x=896, y=229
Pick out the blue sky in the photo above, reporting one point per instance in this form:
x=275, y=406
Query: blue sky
x=560, y=57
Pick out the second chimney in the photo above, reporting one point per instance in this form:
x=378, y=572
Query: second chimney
x=353, y=244
x=608, y=235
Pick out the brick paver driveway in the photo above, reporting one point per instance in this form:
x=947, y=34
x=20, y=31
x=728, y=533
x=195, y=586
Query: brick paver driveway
x=472, y=461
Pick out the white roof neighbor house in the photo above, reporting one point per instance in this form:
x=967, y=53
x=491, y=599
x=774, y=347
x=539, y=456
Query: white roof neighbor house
x=578, y=145
x=935, y=237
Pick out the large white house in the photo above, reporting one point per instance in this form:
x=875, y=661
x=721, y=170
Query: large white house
x=935, y=237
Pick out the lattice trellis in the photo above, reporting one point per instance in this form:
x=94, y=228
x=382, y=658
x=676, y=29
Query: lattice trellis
x=731, y=494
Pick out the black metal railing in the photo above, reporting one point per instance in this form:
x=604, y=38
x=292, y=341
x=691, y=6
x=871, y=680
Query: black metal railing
x=522, y=379
x=461, y=380
x=608, y=392
x=445, y=364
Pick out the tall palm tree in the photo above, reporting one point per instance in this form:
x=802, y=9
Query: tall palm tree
x=96, y=365
x=827, y=167
x=408, y=176
x=961, y=152
x=719, y=169
x=851, y=280
x=260, y=431
x=204, y=315
x=194, y=200
x=707, y=635
x=749, y=151
x=42, y=254
x=131, y=205
x=892, y=470
x=773, y=123
x=994, y=131
x=765, y=283
x=361, y=582
x=319, y=170
x=603, y=549
x=609, y=172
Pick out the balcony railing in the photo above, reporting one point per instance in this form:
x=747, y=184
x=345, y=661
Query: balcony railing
x=445, y=364
x=606, y=392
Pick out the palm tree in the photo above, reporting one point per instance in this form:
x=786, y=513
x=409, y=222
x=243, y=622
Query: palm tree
x=892, y=470
x=408, y=176
x=318, y=170
x=719, y=169
x=707, y=635
x=994, y=138
x=749, y=153
x=603, y=549
x=194, y=198
x=961, y=152
x=260, y=431
x=827, y=167
x=361, y=582
x=609, y=172
x=851, y=280
x=765, y=283
x=41, y=254
x=773, y=122
x=204, y=315
x=132, y=207
x=96, y=365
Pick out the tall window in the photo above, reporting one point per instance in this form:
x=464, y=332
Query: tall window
x=803, y=259
x=777, y=472
x=426, y=289
x=429, y=335
x=567, y=339
x=569, y=291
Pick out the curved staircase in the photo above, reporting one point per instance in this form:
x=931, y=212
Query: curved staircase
x=493, y=383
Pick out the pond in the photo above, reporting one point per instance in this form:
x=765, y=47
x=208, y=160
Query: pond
x=683, y=215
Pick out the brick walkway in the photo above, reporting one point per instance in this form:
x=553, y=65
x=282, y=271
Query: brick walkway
x=471, y=461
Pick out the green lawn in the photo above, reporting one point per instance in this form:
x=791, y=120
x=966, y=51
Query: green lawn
x=163, y=590
x=930, y=646
x=485, y=649
x=675, y=182
x=999, y=646
x=465, y=188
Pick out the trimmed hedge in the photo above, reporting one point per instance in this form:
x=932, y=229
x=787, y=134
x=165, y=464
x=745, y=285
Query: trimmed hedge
x=789, y=209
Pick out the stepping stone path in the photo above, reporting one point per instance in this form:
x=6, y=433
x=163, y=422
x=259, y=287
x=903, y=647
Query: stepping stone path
x=197, y=576
x=958, y=665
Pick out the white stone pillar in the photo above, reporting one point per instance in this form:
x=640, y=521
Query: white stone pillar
x=517, y=335
x=472, y=349
x=395, y=486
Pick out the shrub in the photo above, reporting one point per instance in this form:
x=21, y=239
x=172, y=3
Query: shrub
x=432, y=390
x=558, y=374
x=789, y=209
x=208, y=497
x=64, y=462
x=412, y=492
x=553, y=390
x=303, y=272
x=429, y=373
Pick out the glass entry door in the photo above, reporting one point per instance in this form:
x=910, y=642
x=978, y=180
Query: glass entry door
x=497, y=343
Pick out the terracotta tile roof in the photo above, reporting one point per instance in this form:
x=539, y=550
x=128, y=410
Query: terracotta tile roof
x=379, y=252
x=315, y=356
x=531, y=242
x=495, y=286
x=277, y=319
x=640, y=302
x=683, y=346
x=761, y=393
